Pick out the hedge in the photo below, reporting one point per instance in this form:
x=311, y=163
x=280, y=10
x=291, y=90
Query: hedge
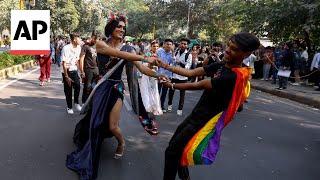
x=8, y=60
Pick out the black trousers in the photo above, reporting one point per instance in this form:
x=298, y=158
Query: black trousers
x=315, y=77
x=182, y=93
x=90, y=79
x=163, y=94
x=68, y=89
x=173, y=153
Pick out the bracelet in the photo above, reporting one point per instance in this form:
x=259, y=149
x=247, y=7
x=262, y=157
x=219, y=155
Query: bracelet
x=172, y=86
x=144, y=59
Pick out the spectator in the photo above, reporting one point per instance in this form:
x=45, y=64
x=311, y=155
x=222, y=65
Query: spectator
x=268, y=59
x=285, y=65
x=165, y=54
x=315, y=70
x=182, y=59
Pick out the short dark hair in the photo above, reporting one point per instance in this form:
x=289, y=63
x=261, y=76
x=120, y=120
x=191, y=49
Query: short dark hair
x=185, y=39
x=168, y=40
x=111, y=26
x=95, y=33
x=245, y=41
x=74, y=35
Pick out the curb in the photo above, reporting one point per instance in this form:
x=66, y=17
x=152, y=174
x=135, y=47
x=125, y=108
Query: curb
x=14, y=70
x=294, y=97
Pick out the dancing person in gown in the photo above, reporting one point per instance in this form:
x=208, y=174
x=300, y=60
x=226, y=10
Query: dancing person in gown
x=225, y=89
x=102, y=118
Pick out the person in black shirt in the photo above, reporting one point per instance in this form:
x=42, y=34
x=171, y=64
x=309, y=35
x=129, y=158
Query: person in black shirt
x=215, y=98
x=88, y=66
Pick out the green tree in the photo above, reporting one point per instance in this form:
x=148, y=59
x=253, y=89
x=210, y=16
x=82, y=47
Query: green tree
x=5, y=9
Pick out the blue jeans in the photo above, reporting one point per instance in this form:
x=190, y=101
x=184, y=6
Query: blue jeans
x=274, y=75
x=266, y=69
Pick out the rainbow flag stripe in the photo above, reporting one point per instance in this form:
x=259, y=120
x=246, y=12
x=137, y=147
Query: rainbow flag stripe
x=202, y=148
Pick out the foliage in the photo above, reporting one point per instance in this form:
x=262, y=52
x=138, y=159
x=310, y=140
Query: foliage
x=280, y=20
x=7, y=60
x=5, y=7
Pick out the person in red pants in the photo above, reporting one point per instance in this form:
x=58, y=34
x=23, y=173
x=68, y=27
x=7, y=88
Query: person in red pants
x=45, y=68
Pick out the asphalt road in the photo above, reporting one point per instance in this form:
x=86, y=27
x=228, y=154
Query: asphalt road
x=272, y=138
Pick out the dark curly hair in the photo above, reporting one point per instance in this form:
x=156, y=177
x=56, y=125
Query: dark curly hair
x=112, y=24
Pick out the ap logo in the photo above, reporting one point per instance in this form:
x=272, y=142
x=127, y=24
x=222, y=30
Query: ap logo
x=30, y=32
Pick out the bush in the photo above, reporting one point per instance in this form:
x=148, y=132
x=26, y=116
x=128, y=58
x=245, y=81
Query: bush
x=7, y=60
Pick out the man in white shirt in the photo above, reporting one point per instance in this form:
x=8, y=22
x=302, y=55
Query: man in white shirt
x=249, y=62
x=315, y=68
x=70, y=61
x=182, y=59
x=305, y=61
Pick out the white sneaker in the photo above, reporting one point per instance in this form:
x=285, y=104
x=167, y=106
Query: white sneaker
x=169, y=108
x=179, y=112
x=48, y=80
x=70, y=111
x=78, y=107
x=164, y=110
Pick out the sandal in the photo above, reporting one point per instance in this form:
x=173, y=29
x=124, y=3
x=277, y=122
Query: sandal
x=149, y=125
x=119, y=152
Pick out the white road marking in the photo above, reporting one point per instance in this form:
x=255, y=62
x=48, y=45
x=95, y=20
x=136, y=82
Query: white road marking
x=13, y=81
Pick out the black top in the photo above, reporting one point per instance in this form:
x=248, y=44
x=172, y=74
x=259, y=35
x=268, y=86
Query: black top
x=287, y=58
x=90, y=58
x=217, y=99
x=105, y=63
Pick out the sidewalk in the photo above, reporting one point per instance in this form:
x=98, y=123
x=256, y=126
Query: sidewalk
x=302, y=94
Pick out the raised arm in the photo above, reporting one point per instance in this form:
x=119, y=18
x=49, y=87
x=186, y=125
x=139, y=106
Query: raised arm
x=103, y=48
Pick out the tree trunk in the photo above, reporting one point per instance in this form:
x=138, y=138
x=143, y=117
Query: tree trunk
x=308, y=41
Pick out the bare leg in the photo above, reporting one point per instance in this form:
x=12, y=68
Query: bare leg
x=114, y=118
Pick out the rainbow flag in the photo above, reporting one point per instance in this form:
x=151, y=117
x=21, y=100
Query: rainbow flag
x=204, y=145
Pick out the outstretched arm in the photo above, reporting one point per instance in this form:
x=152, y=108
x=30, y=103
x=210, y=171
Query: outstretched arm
x=146, y=70
x=103, y=48
x=182, y=71
x=204, y=84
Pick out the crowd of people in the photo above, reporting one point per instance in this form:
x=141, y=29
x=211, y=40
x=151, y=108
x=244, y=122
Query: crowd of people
x=161, y=67
x=288, y=62
x=90, y=65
